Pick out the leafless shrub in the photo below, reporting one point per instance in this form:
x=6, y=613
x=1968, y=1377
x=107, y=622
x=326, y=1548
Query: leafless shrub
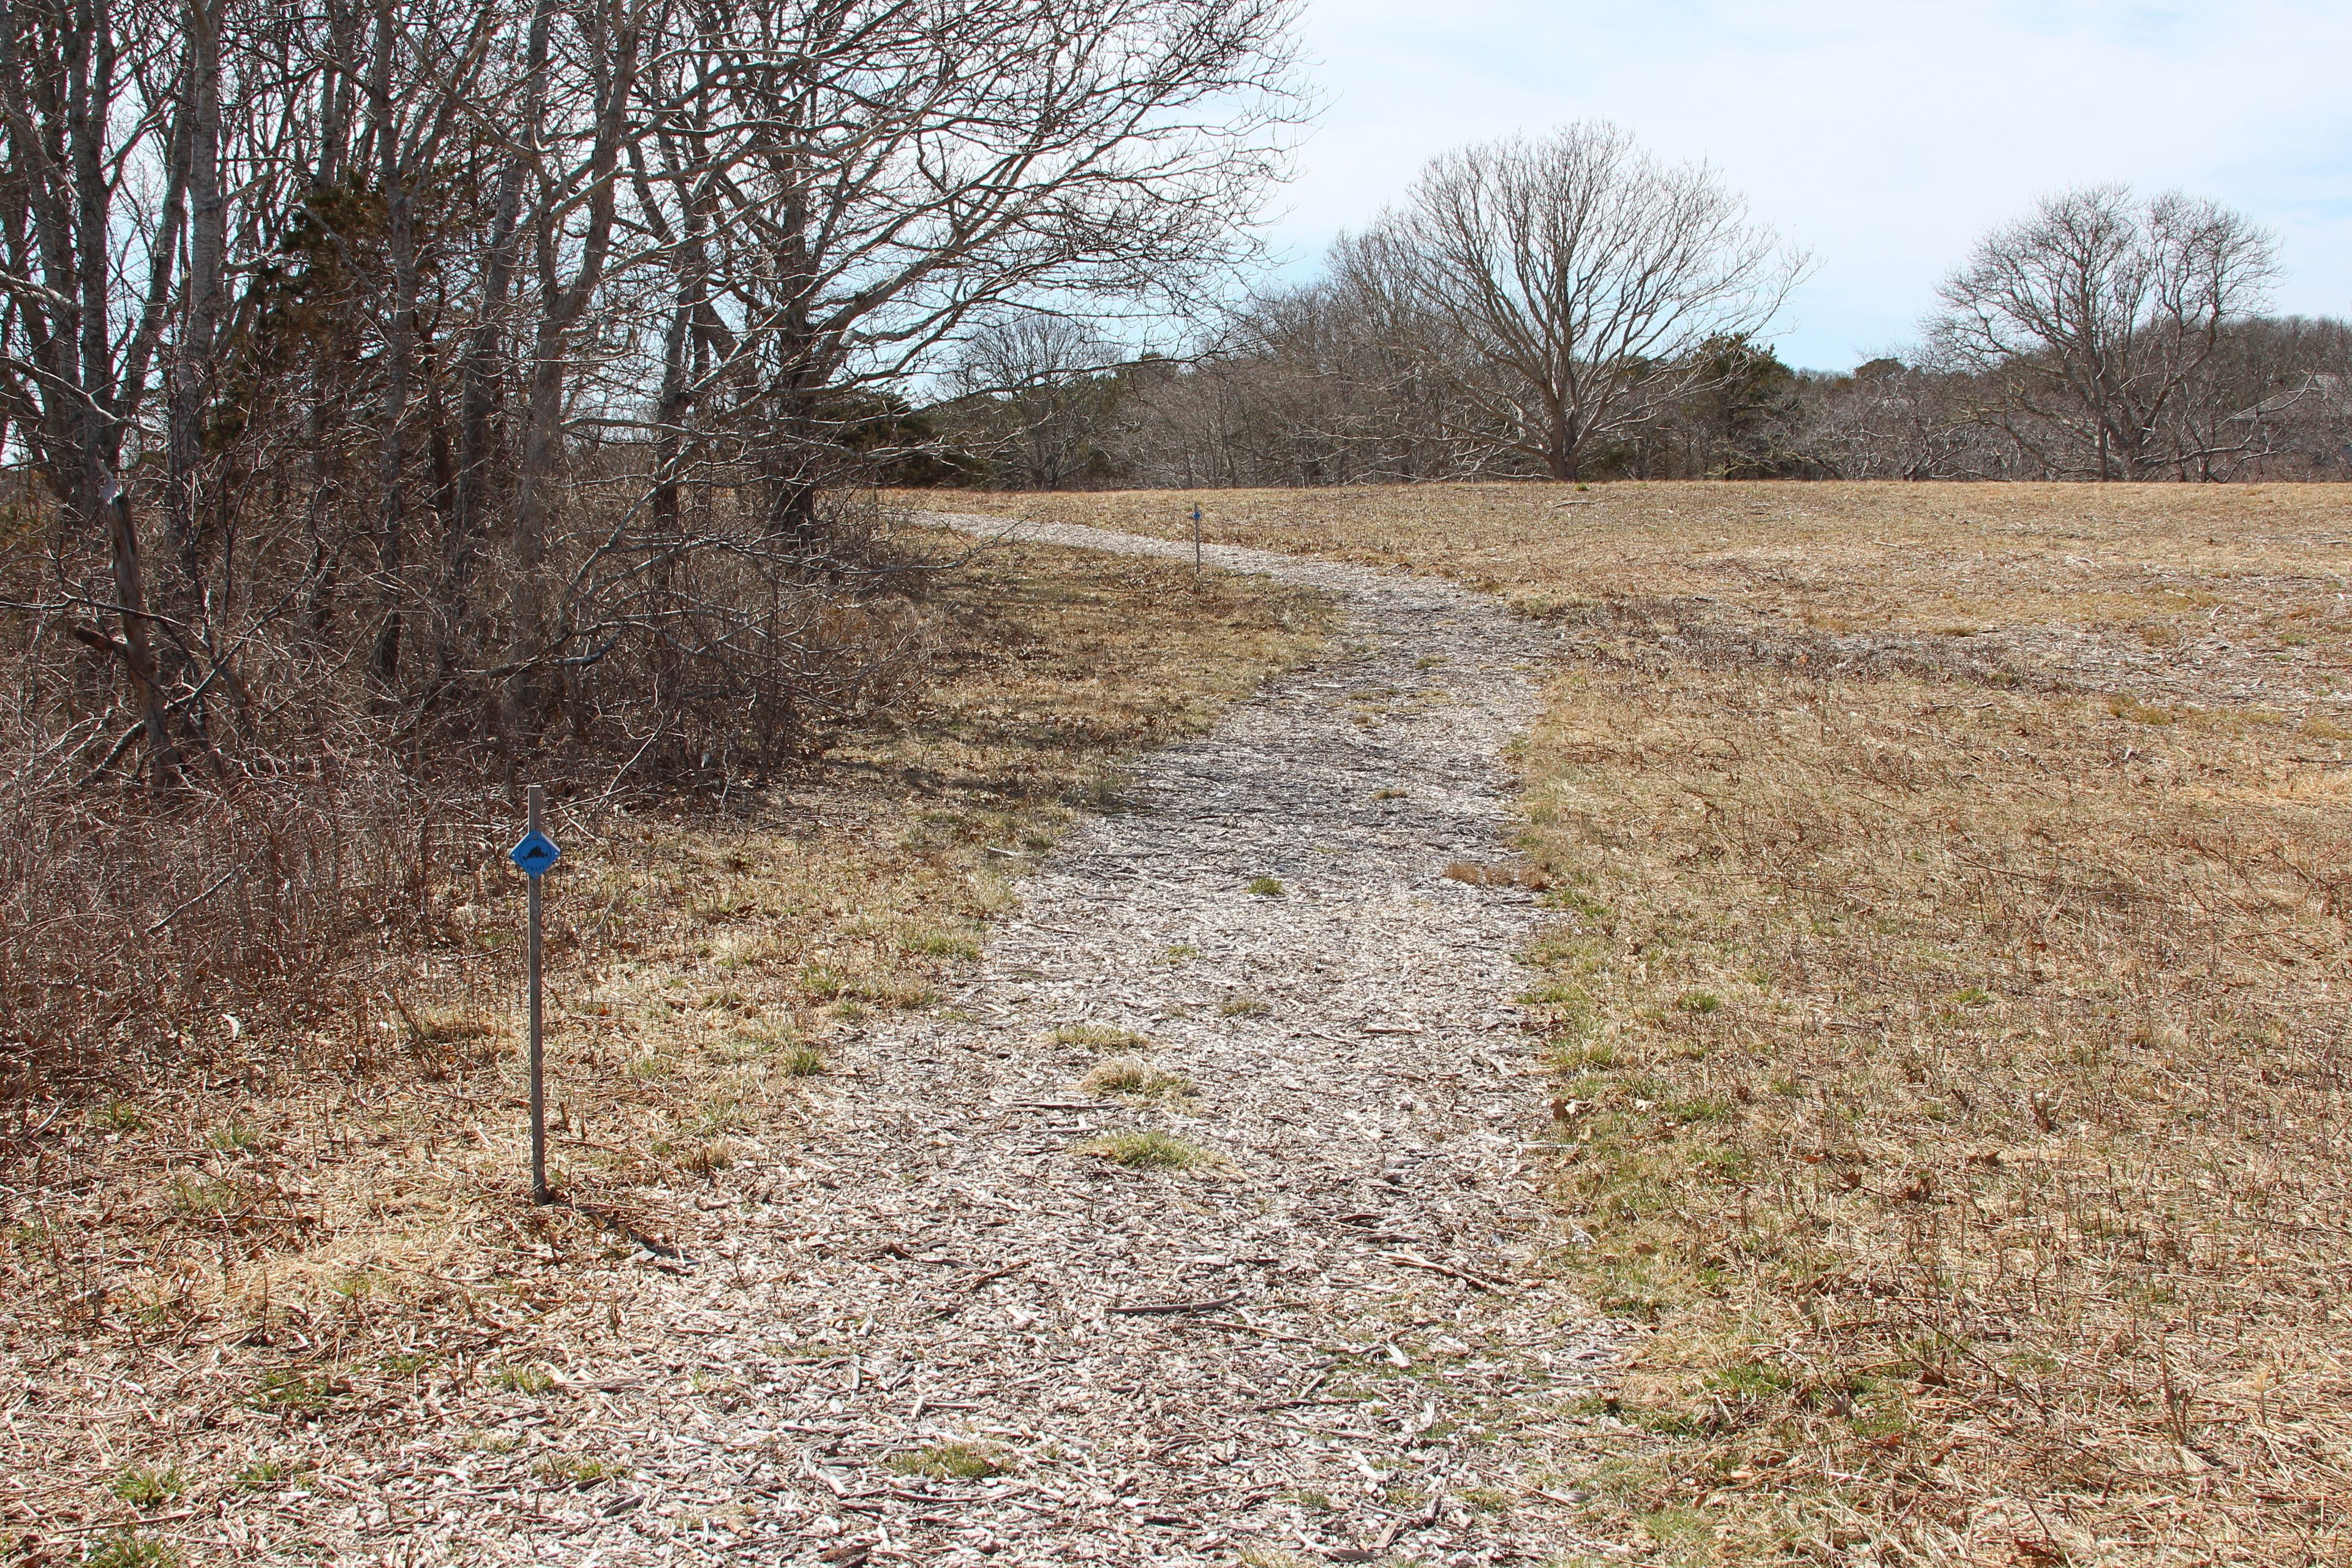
x=554, y=355
x=133, y=925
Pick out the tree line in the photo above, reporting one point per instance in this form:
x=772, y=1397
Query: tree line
x=412, y=376
x=416, y=378
x=1568, y=307
x=403, y=398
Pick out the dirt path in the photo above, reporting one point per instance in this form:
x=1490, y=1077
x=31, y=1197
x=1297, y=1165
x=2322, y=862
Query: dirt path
x=1332, y=1340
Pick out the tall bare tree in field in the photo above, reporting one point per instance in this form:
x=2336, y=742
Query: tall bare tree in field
x=1567, y=283
x=2099, y=319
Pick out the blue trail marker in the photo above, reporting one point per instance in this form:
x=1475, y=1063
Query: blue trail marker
x=534, y=854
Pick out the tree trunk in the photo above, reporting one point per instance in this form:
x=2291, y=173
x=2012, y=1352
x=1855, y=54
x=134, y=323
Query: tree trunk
x=561, y=305
x=484, y=395
x=207, y=250
x=138, y=649
x=1562, y=454
x=400, y=348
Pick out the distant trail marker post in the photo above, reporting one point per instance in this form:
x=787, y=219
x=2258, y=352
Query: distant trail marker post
x=535, y=853
x=1196, y=539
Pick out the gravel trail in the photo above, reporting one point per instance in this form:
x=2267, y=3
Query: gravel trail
x=1333, y=1339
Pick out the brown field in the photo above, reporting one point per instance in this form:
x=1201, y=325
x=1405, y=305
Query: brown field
x=270, y=1261
x=1947, y=1007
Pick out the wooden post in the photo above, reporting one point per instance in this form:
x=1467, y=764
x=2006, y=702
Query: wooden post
x=539, y=1194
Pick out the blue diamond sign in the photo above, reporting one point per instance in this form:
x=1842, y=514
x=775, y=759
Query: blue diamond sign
x=535, y=854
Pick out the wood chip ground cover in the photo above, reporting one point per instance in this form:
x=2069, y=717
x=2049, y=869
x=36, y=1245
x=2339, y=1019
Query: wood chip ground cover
x=1950, y=1039
x=282, y=1271
x=920, y=1305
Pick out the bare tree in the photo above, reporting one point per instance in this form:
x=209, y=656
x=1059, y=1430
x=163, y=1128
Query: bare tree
x=90, y=109
x=1039, y=394
x=1566, y=285
x=505, y=359
x=2096, y=321
x=1333, y=386
x=890, y=177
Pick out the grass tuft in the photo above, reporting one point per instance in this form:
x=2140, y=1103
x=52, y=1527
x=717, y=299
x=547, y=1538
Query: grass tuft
x=120, y=1116
x=235, y=1138
x=802, y=1061
x=941, y=944
x=301, y=1395
x=950, y=1462
x=1126, y=1077
x=1147, y=1151
x=129, y=1549
x=822, y=981
x=579, y=1473
x=261, y=1476
x=524, y=1378
x=1100, y=1037
x=142, y=1487
x=2140, y=712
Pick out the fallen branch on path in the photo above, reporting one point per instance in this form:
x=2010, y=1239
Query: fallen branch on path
x=1475, y=1281
x=1151, y=1308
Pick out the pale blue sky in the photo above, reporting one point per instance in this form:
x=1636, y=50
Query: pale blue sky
x=1883, y=138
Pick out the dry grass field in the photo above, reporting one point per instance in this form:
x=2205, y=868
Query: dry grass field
x=1947, y=1007
x=253, y=1270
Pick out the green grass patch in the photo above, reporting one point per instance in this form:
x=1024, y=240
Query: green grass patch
x=299, y=1394
x=200, y=1196
x=143, y=1488
x=1147, y=1151
x=940, y=944
x=524, y=1377
x=119, y=1116
x=822, y=981
x=950, y=1462
x=574, y=1470
x=129, y=1549
x=261, y=1476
